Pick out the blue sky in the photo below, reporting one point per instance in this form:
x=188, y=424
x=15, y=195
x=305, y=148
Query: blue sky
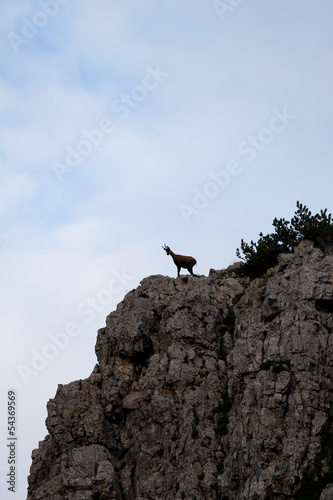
x=153, y=102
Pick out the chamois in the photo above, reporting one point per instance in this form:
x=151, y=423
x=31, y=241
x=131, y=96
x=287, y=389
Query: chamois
x=181, y=260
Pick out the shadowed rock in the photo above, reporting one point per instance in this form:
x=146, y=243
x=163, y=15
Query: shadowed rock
x=205, y=387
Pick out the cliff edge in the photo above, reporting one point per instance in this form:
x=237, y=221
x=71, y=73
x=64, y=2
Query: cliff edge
x=216, y=388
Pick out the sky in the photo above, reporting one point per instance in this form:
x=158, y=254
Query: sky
x=128, y=125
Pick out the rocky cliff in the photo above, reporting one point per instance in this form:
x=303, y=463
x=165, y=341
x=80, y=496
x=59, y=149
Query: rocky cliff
x=205, y=388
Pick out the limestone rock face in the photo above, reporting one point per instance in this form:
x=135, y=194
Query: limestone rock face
x=211, y=388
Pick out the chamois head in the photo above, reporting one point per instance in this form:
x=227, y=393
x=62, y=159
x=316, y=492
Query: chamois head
x=167, y=249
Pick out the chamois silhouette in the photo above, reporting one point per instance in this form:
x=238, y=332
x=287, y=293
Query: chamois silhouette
x=181, y=260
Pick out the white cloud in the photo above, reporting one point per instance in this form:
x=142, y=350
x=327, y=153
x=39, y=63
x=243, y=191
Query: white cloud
x=15, y=190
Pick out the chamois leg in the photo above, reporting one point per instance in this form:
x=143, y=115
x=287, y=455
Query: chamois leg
x=178, y=268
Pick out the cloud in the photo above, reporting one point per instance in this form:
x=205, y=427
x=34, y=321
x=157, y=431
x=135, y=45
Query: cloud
x=15, y=191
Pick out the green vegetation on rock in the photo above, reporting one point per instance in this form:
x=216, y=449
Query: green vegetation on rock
x=260, y=256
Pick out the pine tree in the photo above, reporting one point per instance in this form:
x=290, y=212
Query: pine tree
x=263, y=254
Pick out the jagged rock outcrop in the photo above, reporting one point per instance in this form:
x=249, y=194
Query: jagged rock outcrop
x=206, y=388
